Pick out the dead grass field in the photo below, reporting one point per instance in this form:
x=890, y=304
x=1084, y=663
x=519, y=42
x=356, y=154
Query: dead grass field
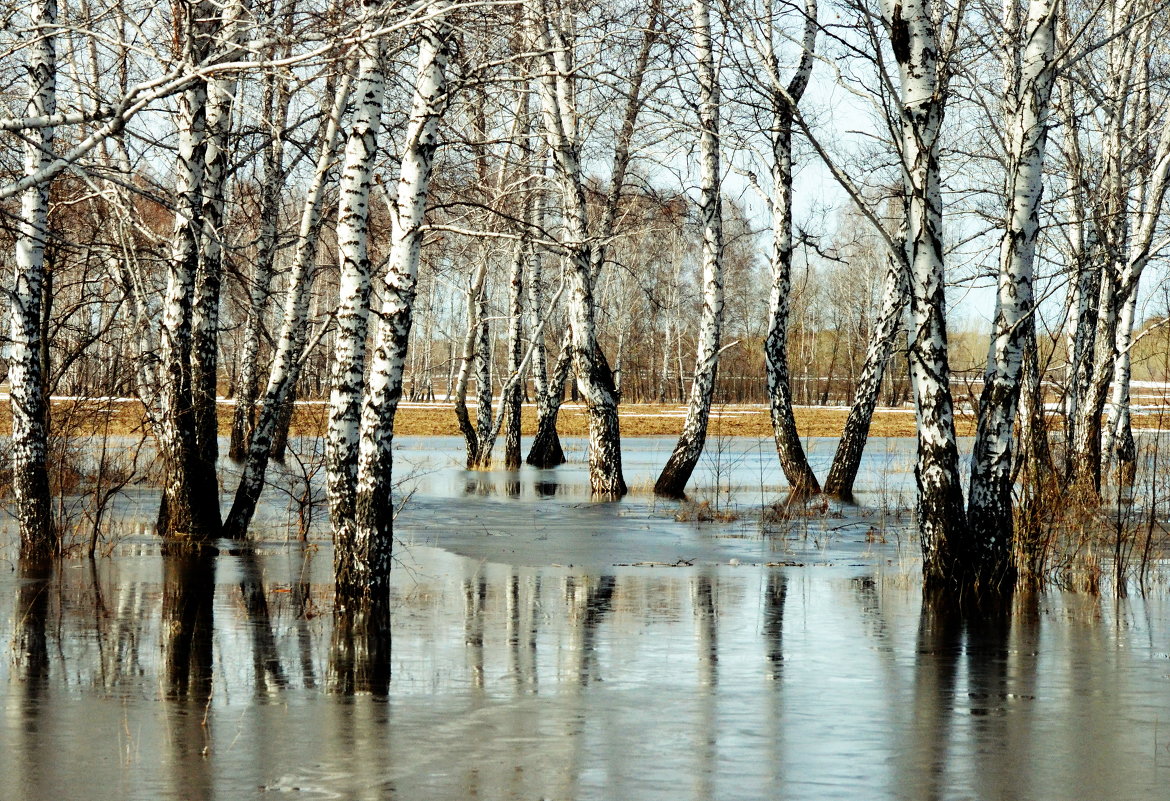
x=86, y=417
x=121, y=416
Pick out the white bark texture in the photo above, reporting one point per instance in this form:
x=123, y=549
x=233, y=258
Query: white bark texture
x=677, y=472
x=594, y=377
x=789, y=449
x=989, y=510
x=369, y=568
x=26, y=372
x=922, y=104
x=190, y=509
x=290, y=344
x=514, y=395
x=348, y=368
x=277, y=97
x=847, y=458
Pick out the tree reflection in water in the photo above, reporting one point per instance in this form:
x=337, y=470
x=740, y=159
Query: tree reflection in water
x=973, y=667
x=188, y=621
x=359, y=652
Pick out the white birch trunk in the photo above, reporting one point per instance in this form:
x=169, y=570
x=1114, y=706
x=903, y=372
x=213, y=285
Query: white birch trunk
x=277, y=97
x=26, y=372
x=348, y=368
x=513, y=396
x=592, y=372
x=545, y=450
x=789, y=449
x=476, y=304
x=847, y=458
x=941, y=516
x=286, y=361
x=989, y=511
x=677, y=472
x=369, y=568
x=190, y=510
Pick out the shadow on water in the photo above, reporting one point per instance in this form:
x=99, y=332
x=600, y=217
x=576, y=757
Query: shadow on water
x=30, y=644
x=776, y=589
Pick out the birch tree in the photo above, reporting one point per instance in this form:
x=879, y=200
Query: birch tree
x=847, y=458
x=914, y=35
x=674, y=476
x=277, y=97
x=783, y=98
x=989, y=510
x=593, y=374
x=364, y=572
x=347, y=375
x=30, y=409
x=291, y=342
x=546, y=448
x=1126, y=202
x=186, y=512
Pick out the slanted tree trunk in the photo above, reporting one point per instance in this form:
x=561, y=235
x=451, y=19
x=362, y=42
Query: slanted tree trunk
x=1085, y=274
x=367, y=576
x=1156, y=179
x=594, y=378
x=350, y=564
x=286, y=362
x=30, y=479
x=546, y=448
x=515, y=355
x=847, y=458
x=475, y=353
x=922, y=103
x=989, y=510
x=190, y=510
x=793, y=460
x=677, y=472
x=277, y=97
x=483, y=384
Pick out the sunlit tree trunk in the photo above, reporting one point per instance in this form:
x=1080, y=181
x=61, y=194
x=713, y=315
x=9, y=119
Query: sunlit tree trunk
x=1155, y=176
x=793, y=460
x=471, y=357
x=593, y=374
x=347, y=378
x=941, y=516
x=366, y=573
x=483, y=383
x=190, y=509
x=1084, y=281
x=546, y=448
x=847, y=458
x=290, y=345
x=515, y=355
x=673, y=479
x=276, y=100
x=989, y=510
x=30, y=411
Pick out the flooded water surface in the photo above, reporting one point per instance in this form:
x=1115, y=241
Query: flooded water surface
x=545, y=647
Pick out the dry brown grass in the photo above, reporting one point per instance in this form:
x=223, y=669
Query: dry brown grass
x=438, y=419
x=645, y=420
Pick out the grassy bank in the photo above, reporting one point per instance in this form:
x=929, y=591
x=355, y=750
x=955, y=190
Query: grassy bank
x=121, y=416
